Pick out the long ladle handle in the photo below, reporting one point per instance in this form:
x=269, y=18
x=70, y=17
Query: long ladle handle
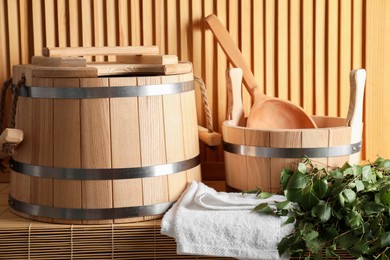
x=232, y=52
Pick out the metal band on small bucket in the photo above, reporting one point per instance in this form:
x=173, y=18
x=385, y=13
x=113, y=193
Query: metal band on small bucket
x=103, y=173
x=278, y=152
x=106, y=92
x=87, y=214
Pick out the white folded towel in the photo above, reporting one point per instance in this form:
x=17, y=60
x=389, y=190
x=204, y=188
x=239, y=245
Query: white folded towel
x=206, y=222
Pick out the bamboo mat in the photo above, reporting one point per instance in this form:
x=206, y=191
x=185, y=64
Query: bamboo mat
x=26, y=239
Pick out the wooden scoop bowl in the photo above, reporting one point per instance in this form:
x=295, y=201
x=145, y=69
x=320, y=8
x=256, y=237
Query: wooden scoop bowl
x=266, y=112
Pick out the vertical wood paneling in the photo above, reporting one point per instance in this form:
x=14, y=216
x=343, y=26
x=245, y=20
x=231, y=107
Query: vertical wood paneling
x=24, y=31
x=37, y=26
x=245, y=44
x=269, y=35
x=295, y=61
x=50, y=30
x=332, y=58
x=298, y=50
x=345, y=59
x=4, y=60
x=282, y=49
x=319, y=55
x=377, y=57
x=308, y=55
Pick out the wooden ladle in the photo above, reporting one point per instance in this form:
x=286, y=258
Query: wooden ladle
x=266, y=112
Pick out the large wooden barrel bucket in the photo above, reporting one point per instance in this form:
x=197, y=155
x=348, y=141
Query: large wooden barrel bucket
x=255, y=158
x=102, y=149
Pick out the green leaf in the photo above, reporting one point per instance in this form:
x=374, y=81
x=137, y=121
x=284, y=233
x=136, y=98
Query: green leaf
x=309, y=199
x=347, y=241
x=359, y=248
x=359, y=185
x=323, y=211
x=297, y=181
x=283, y=205
x=289, y=220
x=368, y=175
x=385, y=239
x=263, y=208
x=354, y=219
x=385, y=164
x=302, y=168
x=294, y=195
x=310, y=235
x=265, y=195
x=320, y=187
x=285, y=176
x=337, y=173
x=372, y=208
x=349, y=195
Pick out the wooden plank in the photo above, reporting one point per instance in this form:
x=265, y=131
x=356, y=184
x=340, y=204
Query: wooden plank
x=171, y=20
x=147, y=59
x=135, y=14
x=197, y=49
x=283, y=139
x=20, y=184
x=246, y=47
x=282, y=49
x=98, y=26
x=295, y=60
x=64, y=72
x=190, y=130
x=345, y=47
x=67, y=147
x=111, y=18
x=174, y=139
x=339, y=136
x=308, y=55
x=184, y=33
x=147, y=22
x=5, y=72
x=37, y=26
x=235, y=164
x=159, y=19
x=270, y=48
x=107, y=69
x=42, y=147
x=13, y=33
x=123, y=22
x=316, y=138
x=74, y=21
x=151, y=122
x=49, y=25
x=59, y=61
x=62, y=26
x=332, y=58
x=86, y=25
x=357, y=33
x=95, y=148
x=24, y=31
x=377, y=55
x=320, y=56
x=88, y=51
x=258, y=168
x=125, y=147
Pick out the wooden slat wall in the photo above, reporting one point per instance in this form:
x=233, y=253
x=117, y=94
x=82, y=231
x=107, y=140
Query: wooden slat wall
x=300, y=50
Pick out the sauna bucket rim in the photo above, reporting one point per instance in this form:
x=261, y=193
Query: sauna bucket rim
x=288, y=152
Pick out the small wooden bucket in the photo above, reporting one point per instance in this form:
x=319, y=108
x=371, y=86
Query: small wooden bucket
x=255, y=158
x=102, y=149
